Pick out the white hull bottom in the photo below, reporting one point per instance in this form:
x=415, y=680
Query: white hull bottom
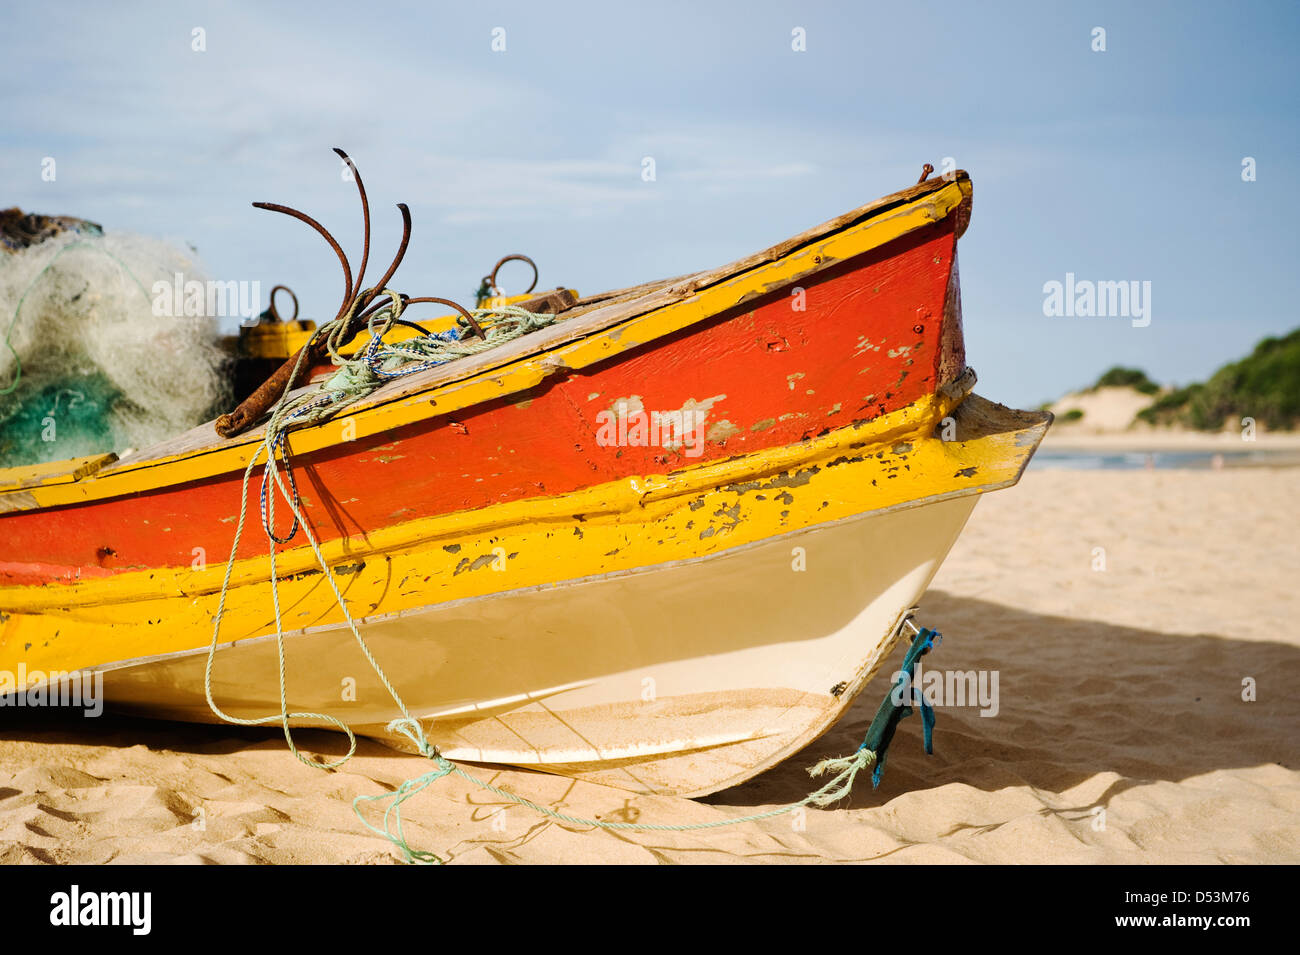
x=682, y=678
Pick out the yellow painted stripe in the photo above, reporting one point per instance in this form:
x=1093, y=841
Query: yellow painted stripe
x=53, y=472
x=615, y=528
x=611, y=498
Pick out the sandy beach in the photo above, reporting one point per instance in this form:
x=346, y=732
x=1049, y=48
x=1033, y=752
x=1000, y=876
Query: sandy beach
x=1122, y=612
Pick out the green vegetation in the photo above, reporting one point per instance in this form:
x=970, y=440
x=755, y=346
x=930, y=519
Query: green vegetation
x=1265, y=385
x=1169, y=408
x=1121, y=377
x=1074, y=414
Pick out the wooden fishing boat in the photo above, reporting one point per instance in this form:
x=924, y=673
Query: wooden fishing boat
x=544, y=581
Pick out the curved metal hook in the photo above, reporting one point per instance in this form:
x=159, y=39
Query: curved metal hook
x=491, y=277
x=367, y=297
x=378, y=305
x=275, y=314
x=365, y=216
x=473, y=323
x=303, y=217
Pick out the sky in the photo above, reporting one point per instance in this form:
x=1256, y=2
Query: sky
x=1122, y=164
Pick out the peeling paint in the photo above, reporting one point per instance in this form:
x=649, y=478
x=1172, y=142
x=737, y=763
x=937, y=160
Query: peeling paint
x=626, y=407
x=704, y=406
x=483, y=560
x=720, y=431
x=864, y=345
x=844, y=459
x=787, y=479
x=730, y=516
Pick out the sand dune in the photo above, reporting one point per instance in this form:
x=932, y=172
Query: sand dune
x=1120, y=689
x=1105, y=410
x=1110, y=422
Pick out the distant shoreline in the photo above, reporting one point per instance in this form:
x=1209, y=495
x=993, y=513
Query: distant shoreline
x=1136, y=441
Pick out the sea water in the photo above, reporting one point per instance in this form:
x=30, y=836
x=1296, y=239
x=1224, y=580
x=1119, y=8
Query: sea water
x=88, y=362
x=1074, y=460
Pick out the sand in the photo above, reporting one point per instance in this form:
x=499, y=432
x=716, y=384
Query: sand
x=1121, y=735
x=1105, y=410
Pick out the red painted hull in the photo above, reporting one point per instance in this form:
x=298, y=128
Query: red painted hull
x=874, y=336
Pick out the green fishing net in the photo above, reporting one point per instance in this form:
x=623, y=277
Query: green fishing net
x=89, y=361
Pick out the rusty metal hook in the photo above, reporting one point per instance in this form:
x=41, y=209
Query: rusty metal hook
x=343, y=259
x=925, y=173
x=473, y=323
x=387, y=301
x=358, y=304
x=365, y=216
x=490, y=280
x=397, y=259
x=275, y=314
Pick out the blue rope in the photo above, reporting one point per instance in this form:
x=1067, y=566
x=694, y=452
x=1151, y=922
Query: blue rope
x=894, y=707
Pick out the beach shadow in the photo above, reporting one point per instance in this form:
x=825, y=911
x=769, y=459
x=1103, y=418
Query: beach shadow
x=67, y=726
x=1075, y=699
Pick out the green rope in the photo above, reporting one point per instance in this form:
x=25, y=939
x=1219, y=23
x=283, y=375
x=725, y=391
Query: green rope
x=378, y=362
x=356, y=377
x=13, y=322
x=392, y=830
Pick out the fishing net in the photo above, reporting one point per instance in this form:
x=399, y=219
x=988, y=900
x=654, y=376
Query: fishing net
x=95, y=357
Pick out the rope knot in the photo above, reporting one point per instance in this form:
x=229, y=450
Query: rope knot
x=846, y=769
x=410, y=728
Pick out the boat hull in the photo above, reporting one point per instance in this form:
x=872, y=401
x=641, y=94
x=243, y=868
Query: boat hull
x=680, y=678
x=706, y=629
